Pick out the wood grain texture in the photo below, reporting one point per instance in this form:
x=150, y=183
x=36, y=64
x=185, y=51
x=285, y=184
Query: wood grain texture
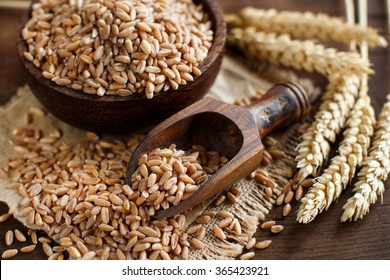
x=325, y=237
x=232, y=130
x=124, y=114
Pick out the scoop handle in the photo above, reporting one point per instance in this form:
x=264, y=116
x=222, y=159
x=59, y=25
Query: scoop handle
x=284, y=104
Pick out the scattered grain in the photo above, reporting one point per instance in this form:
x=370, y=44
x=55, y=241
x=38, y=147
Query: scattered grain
x=9, y=237
x=219, y=232
x=280, y=199
x=225, y=222
x=197, y=244
x=247, y=256
x=286, y=209
x=47, y=249
x=308, y=182
x=231, y=197
x=204, y=219
x=298, y=193
x=276, y=228
x=81, y=200
x=268, y=224
x=7, y=254
x=28, y=249
x=269, y=192
x=225, y=214
x=263, y=244
x=43, y=239
x=289, y=197
x=34, y=237
x=250, y=244
x=5, y=217
x=276, y=153
x=201, y=233
x=20, y=236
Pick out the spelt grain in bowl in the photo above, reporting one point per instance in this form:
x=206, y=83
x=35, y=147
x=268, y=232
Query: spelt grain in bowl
x=122, y=47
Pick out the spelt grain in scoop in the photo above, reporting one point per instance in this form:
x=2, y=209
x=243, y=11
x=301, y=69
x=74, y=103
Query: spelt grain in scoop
x=118, y=47
x=166, y=176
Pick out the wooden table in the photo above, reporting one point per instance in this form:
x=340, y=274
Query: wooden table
x=324, y=238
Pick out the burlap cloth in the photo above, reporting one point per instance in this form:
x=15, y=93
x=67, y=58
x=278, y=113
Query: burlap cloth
x=236, y=80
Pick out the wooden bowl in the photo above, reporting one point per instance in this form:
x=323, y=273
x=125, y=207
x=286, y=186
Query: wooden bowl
x=119, y=114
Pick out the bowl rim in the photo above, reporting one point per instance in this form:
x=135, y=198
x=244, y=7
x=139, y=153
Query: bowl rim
x=218, y=26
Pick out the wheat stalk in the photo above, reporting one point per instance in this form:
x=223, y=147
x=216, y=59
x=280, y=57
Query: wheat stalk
x=306, y=25
x=338, y=100
x=342, y=169
x=300, y=55
x=374, y=172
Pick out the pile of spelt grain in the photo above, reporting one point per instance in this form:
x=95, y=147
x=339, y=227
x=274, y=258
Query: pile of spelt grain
x=79, y=196
x=118, y=47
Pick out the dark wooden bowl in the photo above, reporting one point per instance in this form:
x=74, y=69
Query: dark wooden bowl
x=119, y=114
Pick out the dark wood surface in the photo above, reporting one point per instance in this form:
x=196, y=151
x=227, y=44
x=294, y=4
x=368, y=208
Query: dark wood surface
x=325, y=237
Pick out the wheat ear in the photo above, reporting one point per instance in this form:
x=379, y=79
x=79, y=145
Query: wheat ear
x=306, y=26
x=342, y=169
x=338, y=100
x=375, y=171
x=300, y=55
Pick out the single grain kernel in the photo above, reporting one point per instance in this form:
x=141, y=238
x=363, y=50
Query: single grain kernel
x=298, y=193
x=7, y=254
x=276, y=228
x=276, y=153
x=5, y=217
x=9, y=237
x=250, y=244
x=289, y=197
x=28, y=249
x=73, y=252
x=47, y=249
x=219, y=232
x=231, y=197
x=307, y=183
x=267, y=224
x=263, y=244
x=20, y=236
x=280, y=199
x=197, y=243
x=286, y=209
x=247, y=256
x=220, y=200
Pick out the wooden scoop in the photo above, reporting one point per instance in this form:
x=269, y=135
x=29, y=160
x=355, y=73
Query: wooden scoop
x=232, y=130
